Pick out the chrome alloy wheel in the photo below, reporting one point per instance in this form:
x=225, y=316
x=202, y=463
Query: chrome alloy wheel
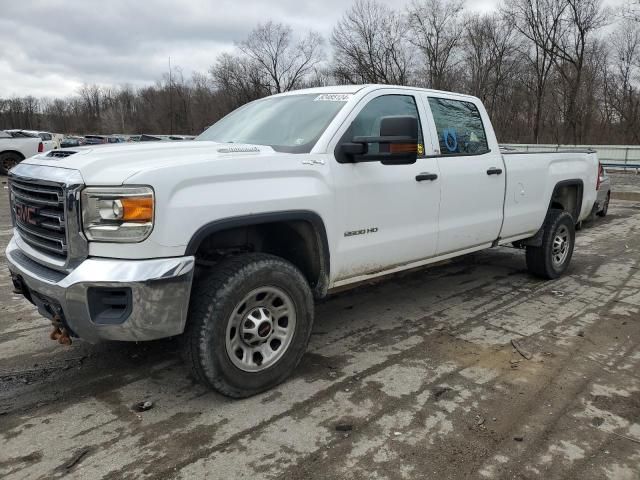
x=560, y=249
x=260, y=329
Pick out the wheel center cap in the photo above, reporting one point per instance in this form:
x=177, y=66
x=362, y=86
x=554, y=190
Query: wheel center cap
x=264, y=329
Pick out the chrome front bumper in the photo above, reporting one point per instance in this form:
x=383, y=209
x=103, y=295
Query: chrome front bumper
x=159, y=294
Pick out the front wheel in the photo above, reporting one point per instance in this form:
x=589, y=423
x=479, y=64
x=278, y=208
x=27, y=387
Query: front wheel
x=551, y=259
x=249, y=324
x=8, y=160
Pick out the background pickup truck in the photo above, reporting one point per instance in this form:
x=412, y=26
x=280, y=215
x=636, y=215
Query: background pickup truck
x=49, y=140
x=226, y=240
x=15, y=146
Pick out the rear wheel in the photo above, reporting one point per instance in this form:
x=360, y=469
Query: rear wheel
x=552, y=257
x=250, y=322
x=605, y=206
x=8, y=160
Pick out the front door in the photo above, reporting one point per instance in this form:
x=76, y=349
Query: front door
x=388, y=214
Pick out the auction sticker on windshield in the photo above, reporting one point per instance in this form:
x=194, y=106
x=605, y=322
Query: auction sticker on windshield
x=333, y=97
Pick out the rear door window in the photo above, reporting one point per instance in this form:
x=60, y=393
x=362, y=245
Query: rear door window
x=459, y=127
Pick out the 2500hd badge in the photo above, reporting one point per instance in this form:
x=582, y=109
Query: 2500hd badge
x=364, y=231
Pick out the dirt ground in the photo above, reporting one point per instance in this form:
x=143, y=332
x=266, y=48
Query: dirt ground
x=624, y=181
x=415, y=377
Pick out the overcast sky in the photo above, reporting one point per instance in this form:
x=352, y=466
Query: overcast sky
x=51, y=47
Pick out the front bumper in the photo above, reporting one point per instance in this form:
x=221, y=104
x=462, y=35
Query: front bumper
x=158, y=289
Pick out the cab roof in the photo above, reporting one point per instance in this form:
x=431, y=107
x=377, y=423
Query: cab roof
x=369, y=87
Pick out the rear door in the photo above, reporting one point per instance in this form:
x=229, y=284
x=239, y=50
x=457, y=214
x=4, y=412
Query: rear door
x=471, y=173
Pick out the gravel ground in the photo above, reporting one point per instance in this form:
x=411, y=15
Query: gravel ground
x=624, y=181
x=414, y=377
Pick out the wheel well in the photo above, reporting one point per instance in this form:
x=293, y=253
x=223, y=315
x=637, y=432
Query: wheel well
x=20, y=155
x=567, y=196
x=295, y=240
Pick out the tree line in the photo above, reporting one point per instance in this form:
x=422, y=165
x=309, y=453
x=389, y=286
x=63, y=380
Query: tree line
x=548, y=71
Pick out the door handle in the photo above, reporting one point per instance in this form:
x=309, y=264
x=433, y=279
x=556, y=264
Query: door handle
x=426, y=176
x=494, y=171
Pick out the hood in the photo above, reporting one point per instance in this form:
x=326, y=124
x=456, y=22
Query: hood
x=112, y=164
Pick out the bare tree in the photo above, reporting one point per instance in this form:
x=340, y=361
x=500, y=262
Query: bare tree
x=540, y=22
x=208, y=103
x=631, y=10
x=621, y=96
x=581, y=19
x=542, y=68
x=370, y=46
x=489, y=53
x=436, y=29
x=239, y=78
x=284, y=60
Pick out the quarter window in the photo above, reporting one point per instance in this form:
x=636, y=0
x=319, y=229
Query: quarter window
x=459, y=126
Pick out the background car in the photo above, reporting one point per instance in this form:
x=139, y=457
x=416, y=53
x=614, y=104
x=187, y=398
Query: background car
x=69, y=142
x=95, y=139
x=150, y=138
x=145, y=137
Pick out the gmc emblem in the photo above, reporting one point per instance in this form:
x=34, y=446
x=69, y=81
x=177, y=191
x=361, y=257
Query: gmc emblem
x=26, y=214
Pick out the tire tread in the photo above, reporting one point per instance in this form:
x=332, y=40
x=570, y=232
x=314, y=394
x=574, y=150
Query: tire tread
x=537, y=261
x=208, y=294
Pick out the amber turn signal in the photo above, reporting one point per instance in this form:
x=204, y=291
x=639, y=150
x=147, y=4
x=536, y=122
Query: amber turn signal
x=403, y=148
x=137, y=209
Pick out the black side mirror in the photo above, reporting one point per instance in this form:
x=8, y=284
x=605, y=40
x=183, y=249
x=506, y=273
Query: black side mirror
x=397, y=143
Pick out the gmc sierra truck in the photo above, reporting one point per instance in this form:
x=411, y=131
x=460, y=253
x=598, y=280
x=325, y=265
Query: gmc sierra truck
x=227, y=240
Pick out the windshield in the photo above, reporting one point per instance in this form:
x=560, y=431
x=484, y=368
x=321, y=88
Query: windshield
x=290, y=123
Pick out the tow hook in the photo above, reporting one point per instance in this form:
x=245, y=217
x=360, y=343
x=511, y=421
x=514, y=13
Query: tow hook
x=59, y=333
x=17, y=285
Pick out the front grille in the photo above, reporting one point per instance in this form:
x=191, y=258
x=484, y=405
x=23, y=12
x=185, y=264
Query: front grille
x=60, y=153
x=39, y=215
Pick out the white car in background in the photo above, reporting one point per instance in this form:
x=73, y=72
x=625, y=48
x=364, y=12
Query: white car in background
x=48, y=140
x=15, y=146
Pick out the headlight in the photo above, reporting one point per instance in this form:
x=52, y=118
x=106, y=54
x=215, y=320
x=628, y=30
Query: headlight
x=117, y=214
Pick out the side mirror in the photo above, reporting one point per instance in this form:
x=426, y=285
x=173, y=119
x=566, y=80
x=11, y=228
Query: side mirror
x=396, y=145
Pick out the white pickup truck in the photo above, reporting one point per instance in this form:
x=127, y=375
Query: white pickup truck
x=226, y=240
x=15, y=146
x=49, y=140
